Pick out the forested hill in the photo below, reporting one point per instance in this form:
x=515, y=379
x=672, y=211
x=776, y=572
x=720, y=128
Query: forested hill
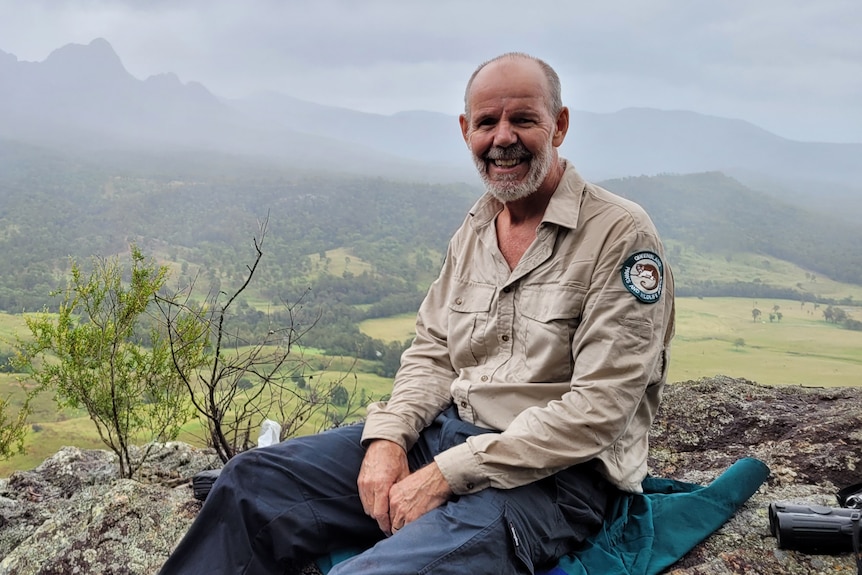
x=52, y=207
x=203, y=217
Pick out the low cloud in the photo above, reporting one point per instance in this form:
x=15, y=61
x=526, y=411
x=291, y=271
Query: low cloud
x=794, y=70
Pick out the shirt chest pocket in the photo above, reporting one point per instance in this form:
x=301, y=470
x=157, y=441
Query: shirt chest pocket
x=469, y=311
x=548, y=317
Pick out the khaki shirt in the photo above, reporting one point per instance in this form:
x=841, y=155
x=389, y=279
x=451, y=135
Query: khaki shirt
x=558, y=355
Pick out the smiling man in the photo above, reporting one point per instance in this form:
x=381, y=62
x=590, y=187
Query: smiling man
x=524, y=402
x=514, y=134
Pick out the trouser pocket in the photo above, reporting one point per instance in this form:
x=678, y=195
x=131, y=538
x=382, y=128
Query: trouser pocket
x=518, y=542
x=539, y=534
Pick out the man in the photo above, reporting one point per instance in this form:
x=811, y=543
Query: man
x=524, y=401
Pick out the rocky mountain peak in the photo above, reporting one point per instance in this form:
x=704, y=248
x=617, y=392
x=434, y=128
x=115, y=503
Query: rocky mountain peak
x=94, y=60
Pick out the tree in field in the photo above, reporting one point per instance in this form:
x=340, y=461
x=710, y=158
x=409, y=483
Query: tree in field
x=240, y=382
x=755, y=314
x=340, y=396
x=101, y=352
x=839, y=315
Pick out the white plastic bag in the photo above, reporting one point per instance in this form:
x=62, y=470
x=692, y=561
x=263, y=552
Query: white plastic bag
x=269, y=433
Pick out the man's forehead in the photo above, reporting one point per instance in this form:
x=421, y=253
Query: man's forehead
x=529, y=105
x=512, y=79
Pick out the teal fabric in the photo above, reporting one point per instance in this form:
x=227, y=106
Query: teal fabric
x=647, y=532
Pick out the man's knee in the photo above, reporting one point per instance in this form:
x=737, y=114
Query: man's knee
x=235, y=474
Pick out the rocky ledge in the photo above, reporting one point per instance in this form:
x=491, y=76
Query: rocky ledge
x=73, y=515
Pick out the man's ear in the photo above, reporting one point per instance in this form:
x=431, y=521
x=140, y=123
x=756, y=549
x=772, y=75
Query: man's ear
x=465, y=128
x=561, y=127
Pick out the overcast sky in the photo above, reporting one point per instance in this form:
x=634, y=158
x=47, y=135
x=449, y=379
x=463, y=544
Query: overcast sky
x=793, y=67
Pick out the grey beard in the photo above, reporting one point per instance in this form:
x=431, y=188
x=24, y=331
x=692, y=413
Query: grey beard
x=509, y=190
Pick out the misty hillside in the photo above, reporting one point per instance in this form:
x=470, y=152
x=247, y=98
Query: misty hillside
x=53, y=206
x=716, y=214
x=82, y=99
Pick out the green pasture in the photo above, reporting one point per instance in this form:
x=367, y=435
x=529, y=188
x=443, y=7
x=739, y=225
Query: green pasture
x=10, y=326
x=719, y=336
x=47, y=437
x=338, y=261
x=394, y=328
x=51, y=429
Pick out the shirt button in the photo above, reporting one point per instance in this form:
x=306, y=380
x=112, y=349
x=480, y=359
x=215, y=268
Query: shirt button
x=507, y=289
x=505, y=338
x=464, y=404
x=470, y=486
x=458, y=301
x=484, y=378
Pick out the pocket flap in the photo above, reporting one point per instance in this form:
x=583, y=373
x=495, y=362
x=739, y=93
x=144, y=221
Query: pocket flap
x=549, y=303
x=470, y=297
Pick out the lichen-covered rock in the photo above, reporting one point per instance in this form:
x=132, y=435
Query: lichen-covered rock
x=806, y=435
x=30, y=498
x=73, y=515
x=811, y=439
x=124, y=527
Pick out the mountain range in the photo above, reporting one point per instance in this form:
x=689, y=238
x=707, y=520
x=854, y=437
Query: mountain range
x=81, y=98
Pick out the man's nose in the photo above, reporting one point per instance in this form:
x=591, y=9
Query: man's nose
x=504, y=134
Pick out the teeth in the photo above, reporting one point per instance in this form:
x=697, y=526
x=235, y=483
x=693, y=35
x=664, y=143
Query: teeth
x=506, y=163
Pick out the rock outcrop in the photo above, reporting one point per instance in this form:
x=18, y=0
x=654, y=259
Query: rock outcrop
x=73, y=515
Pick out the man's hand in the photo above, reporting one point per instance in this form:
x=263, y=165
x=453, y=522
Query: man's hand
x=384, y=464
x=416, y=495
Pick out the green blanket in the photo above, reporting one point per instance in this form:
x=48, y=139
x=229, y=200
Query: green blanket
x=647, y=532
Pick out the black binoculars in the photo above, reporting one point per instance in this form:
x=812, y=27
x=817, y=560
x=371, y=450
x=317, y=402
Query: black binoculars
x=814, y=528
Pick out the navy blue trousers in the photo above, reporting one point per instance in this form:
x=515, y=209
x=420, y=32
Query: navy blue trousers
x=279, y=507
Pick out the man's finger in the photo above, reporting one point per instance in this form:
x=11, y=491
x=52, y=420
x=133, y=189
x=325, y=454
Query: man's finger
x=380, y=513
x=366, y=496
x=417, y=494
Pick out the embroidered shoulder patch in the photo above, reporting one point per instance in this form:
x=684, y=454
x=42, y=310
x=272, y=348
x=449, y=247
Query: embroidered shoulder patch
x=643, y=276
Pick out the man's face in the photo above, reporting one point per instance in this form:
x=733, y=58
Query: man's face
x=510, y=132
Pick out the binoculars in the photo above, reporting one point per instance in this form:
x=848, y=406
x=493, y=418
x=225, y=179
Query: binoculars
x=814, y=528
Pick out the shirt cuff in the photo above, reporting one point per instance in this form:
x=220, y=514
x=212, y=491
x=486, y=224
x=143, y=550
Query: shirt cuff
x=385, y=425
x=461, y=470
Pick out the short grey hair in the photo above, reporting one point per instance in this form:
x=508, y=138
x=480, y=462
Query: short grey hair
x=553, y=97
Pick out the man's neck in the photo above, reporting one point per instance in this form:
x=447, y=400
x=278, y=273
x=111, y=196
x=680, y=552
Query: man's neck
x=532, y=208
